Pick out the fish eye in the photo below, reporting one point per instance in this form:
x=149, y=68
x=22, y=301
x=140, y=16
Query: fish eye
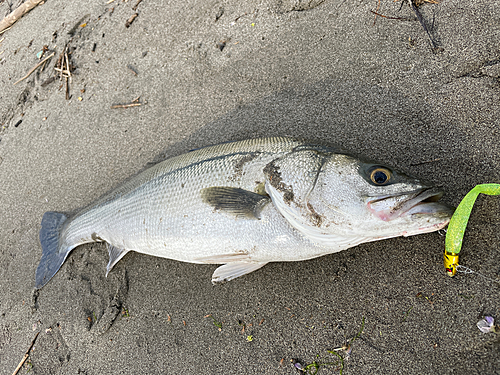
x=380, y=176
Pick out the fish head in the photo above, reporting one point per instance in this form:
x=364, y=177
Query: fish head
x=331, y=196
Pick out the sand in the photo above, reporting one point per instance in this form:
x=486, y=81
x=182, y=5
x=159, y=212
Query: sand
x=214, y=71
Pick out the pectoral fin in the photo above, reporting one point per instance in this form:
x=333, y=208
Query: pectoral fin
x=115, y=254
x=235, y=201
x=231, y=271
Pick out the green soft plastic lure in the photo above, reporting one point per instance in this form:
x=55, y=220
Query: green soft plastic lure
x=458, y=222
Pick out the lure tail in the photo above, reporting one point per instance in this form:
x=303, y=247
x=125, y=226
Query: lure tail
x=458, y=223
x=53, y=256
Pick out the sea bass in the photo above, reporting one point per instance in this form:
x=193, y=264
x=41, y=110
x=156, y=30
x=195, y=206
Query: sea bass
x=244, y=204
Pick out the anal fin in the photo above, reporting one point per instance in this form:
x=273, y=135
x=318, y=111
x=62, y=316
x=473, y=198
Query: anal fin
x=115, y=254
x=230, y=271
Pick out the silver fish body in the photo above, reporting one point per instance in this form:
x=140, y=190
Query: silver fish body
x=244, y=204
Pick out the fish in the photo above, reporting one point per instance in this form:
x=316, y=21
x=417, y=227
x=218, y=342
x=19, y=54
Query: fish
x=244, y=204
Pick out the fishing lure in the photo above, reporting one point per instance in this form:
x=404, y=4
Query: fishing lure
x=458, y=222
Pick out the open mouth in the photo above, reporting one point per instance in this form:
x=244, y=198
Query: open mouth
x=419, y=202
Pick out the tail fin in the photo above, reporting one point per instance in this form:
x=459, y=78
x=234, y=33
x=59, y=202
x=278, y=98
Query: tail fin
x=52, y=256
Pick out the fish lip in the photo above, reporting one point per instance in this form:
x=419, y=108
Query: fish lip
x=420, y=201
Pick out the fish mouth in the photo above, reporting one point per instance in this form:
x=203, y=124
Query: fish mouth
x=419, y=202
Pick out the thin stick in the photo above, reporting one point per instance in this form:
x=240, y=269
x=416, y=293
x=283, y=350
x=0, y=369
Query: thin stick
x=26, y=355
x=65, y=59
x=34, y=68
x=126, y=105
x=61, y=70
x=43, y=66
x=131, y=68
x=69, y=74
x=422, y=22
x=60, y=63
x=61, y=60
x=67, y=89
x=136, y=4
x=67, y=65
x=134, y=103
x=8, y=28
x=376, y=14
x=20, y=11
x=131, y=19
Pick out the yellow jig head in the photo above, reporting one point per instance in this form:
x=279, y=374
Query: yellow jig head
x=450, y=263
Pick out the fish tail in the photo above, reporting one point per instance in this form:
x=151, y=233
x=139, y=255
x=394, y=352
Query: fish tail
x=53, y=255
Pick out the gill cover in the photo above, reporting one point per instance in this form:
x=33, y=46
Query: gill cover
x=291, y=182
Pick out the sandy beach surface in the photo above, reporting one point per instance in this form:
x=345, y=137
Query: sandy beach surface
x=206, y=72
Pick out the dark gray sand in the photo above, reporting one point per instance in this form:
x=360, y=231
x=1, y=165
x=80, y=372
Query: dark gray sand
x=214, y=71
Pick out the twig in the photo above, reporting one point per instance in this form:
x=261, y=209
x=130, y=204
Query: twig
x=136, y=4
x=237, y=18
x=60, y=64
x=420, y=2
x=376, y=12
x=64, y=69
x=67, y=63
x=43, y=66
x=67, y=89
x=134, y=103
x=422, y=22
x=20, y=11
x=26, y=355
x=131, y=19
x=132, y=69
x=8, y=28
x=61, y=71
x=34, y=68
x=69, y=74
